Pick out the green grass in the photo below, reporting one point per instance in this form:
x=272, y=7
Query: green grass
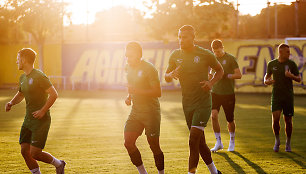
x=87, y=132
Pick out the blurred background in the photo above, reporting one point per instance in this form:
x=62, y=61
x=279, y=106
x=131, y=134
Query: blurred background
x=80, y=43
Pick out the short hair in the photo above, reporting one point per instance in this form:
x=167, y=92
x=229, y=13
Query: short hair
x=187, y=28
x=217, y=43
x=283, y=45
x=135, y=46
x=28, y=53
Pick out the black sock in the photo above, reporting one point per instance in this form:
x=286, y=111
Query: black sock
x=159, y=161
x=136, y=158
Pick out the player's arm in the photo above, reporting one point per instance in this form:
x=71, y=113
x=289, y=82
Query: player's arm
x=296, y=78
x=207, y=85
x=172, y=71
x=237, y=74
x=268, y=76
x=15, y=100
x=174, y=74
x=51, y=91
x=268, y=79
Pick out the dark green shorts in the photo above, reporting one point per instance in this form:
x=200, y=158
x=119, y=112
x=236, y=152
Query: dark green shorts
x=138, y=122
x=198, y=116
x=285, y=105
x=36, y=137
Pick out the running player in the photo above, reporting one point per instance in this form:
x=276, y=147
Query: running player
x=40, y=95
x=143, y=92
x=223, y=94
x=284, y=71
x=190, y=65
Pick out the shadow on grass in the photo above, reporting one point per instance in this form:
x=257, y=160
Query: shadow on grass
x=256, y=167
x=292, y=155
x=67, y=120
x=234, y=165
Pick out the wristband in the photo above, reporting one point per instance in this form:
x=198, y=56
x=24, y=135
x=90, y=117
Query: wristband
x=229, y=76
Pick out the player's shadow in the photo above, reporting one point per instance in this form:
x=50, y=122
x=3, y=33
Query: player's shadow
x=256, y=167
x=292, y=156
x=234, y=165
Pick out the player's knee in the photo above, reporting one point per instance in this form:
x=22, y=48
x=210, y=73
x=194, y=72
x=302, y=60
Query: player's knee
x=129, y=144
x=214, y=116
x=193, y=140
x=288, y=119
x=25, y=152
x=35, y=154
x=230, y=119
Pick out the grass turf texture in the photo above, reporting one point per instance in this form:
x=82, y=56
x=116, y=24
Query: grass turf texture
x=87, y=132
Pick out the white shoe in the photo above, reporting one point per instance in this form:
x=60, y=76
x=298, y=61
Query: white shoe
x=217, y=147
x=231, y=146
x=60, y=169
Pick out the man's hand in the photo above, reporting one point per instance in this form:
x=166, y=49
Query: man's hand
x=288, y=74
x=269, y=81
x=206, y=85
x=8, y=106
x=175, y=74
x=128, y=101
x=38, y=114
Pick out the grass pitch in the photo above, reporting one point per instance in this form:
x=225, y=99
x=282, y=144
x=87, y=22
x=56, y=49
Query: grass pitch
x=87, y=132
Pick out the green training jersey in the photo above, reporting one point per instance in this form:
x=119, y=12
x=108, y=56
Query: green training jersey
x=144, y=76
x=33, y=87
x=226, y=86
x=194, y=69
x=282, y=88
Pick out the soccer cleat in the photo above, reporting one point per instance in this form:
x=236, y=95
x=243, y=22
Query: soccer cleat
x=276, y=148
x=217, y=147
x=288, y=148
x=231, y=146
x=219, y=172
x=60, y=169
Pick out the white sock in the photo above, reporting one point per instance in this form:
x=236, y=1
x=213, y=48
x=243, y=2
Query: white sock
x=35, y=171
x=190, y=173
x=56, y=162
x=212, y=168
x=141, y=169
x=161, y=172
x=232, y=136
x=218, y=137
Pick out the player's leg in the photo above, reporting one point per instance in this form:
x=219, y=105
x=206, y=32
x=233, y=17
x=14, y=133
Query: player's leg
x=229, y=107
x=132, y=131
x=288, y=130
x=194, y=144
x=152, y=126
x=215, y=122
x=288, y=112
x=38, y=141
x=26, y=154
x=276, y=128
x=45, y=157
x=197, y=143
x=157, y=152
x=206, y=155
x=25, y=140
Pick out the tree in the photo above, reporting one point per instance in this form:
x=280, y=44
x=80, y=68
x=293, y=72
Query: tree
x=211, y=18
x=40, y=18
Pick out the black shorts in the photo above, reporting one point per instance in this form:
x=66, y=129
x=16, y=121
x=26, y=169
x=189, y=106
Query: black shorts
x=227, y=102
